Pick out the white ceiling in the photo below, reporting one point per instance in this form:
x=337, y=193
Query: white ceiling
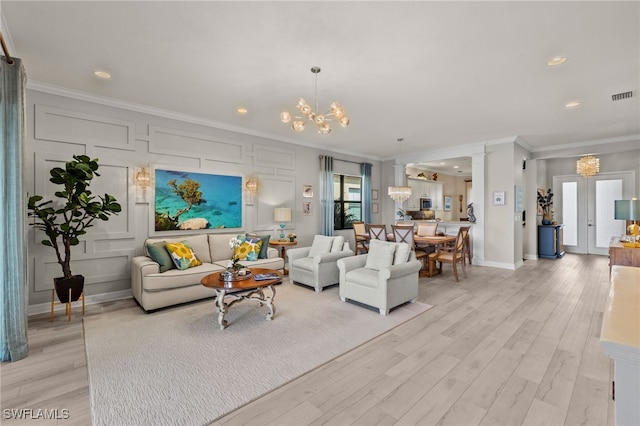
x=437, y=74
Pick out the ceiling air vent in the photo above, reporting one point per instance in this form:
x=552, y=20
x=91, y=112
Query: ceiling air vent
x=621, y=96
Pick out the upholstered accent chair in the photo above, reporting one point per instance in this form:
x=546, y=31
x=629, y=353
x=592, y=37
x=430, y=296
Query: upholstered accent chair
x=316, y=266
x=385, y=277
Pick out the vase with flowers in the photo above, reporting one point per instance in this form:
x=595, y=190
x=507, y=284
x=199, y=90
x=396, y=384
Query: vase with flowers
x=234, y=267
x=546, y=202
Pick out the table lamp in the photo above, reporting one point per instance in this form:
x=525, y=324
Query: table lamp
x=629, y=210
x=282, y=215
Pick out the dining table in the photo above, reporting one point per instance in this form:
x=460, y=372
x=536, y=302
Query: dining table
x=436, y=241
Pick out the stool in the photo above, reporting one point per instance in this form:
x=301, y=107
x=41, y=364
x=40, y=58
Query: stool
x=68, y=307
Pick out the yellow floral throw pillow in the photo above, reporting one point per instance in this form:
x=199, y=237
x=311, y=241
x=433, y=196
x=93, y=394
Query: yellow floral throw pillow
x=249, y=249
x=182, y=255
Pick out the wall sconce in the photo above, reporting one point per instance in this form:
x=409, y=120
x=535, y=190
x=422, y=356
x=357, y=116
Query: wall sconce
x=251, y=189
x=142, y=180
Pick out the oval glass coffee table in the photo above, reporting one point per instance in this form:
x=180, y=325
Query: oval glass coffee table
x=243, y=288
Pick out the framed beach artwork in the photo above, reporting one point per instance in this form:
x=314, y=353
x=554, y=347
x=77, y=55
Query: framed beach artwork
x=189, y=201
x=306, y=208
x=498, y=198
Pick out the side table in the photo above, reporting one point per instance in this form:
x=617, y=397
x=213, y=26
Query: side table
x=283, y=253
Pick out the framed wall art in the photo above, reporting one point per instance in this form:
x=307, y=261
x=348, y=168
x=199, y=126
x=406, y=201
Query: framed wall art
x=185, y=201
x=498, y=198
x=307, y=191
x=447, y=203
x=374, y=194
x=306, y=208
x=374, y=208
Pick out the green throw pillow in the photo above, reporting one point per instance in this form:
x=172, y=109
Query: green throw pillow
x=264, y=246
x=159, y=254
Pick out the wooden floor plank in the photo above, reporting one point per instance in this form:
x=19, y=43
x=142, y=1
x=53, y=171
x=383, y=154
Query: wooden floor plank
x=500, y=347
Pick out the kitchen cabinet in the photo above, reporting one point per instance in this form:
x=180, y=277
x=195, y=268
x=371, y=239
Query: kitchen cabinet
x=424, y=188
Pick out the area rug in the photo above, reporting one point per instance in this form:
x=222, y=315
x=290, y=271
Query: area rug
x=177, y=367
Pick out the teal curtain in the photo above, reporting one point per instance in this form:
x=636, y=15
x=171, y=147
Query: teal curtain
x=13, y=252
x=326, y=195
x=365, y=171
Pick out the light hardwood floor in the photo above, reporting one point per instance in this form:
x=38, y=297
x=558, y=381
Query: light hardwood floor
x=498, y=348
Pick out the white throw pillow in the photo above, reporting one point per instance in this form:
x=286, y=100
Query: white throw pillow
x=380, y=255
x=338, y=242
x=402, y=253
x=321, y=244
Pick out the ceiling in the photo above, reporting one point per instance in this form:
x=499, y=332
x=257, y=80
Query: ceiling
x=437, y=74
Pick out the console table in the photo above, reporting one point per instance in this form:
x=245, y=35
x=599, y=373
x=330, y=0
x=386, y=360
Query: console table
x=550, y=245
x=621, y=255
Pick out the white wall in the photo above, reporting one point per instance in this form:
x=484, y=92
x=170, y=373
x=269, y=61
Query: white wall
x=124, y=137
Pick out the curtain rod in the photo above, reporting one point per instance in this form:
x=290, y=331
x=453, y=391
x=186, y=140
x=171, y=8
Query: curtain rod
x=10, y=60
x=344, y=161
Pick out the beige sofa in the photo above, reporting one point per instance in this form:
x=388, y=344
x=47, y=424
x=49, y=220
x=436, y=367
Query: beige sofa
x=153, y=289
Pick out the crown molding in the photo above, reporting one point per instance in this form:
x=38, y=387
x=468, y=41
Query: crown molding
x=172, y=115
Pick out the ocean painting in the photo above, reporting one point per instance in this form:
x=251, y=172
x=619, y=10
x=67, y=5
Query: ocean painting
x=188, y=201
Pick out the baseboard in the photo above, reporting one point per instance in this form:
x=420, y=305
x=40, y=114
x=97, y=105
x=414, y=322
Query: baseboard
x=531, y=256
x=502, y=265
x=42, y=308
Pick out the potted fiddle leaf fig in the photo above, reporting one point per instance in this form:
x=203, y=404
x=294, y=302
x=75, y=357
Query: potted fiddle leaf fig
x=65, y=220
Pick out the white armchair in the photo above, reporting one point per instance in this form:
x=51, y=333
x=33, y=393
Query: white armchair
x=384, y=278
x=316, y=266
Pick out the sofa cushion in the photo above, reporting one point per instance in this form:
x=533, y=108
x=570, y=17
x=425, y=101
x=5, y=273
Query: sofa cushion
x=321, y=244
x=337, y=244
x=304, y=263
x=380, y=254
x=158, y=252
x=219, y=248
x=364, y=277
x=182, y=255
x=402, y=253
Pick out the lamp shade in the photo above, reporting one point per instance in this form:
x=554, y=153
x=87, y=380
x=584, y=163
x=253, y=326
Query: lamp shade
x=627, y=209
x=282, y=214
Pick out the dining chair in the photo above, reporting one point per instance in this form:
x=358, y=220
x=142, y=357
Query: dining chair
x=377, y=232
x=404, y=234
x=361, y=237
x=454, y=255
x=467, y=248
x=427, y=229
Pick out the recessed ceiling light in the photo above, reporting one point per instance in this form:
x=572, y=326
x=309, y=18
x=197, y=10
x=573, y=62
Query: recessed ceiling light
x=443, y=163
x=558, y=60
x=572, y=104
x=456, y=167
x=242, y=110
x=102, y=74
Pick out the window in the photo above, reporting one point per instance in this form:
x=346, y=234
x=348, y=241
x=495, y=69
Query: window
x=347, y=201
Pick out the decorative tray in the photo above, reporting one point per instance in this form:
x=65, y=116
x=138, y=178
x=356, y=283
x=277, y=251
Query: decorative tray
x=235, y=277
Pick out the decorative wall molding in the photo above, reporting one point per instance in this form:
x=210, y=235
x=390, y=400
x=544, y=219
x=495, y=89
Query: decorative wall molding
x=96, y=268
x=265, y=156
x=56, y=124
x=163, y=140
